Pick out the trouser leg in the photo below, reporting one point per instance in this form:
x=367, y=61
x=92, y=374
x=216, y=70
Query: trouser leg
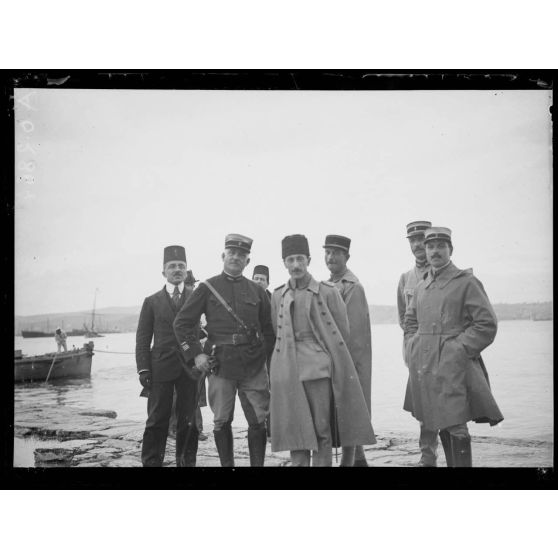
x=300, y=458
x=221, y=394
x=428, y=443
x=159, y=405
x=253, y=393
x=460, y=445
x=347, y=456
x=186, y=430
x=199, y=420
x=318, y=393
x=173, y=421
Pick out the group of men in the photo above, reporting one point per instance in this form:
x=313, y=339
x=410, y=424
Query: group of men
x=300, y=358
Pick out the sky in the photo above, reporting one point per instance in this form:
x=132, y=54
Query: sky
x=105, y=179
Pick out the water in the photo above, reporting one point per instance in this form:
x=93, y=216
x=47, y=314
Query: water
x=519, y=363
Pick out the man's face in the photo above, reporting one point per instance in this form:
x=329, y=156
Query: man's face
x=175, y=271
x=417, y=246
x=235, y=260
x=336, y=260
x=261, y=279
x=438, y=253
x=297, y=264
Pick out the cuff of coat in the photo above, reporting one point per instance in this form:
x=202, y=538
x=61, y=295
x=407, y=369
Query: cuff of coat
x=190, y=351
x=144, y=370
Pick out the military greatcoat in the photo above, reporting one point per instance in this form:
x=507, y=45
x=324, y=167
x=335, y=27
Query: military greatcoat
x=360, y=338
x=292, y=427
x=449, y=322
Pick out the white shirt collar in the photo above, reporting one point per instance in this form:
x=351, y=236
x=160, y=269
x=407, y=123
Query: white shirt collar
x=170, y=287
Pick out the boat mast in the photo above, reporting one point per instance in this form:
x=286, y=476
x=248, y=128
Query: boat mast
x=93, y=313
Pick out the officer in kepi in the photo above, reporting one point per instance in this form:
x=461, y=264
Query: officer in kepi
x=448, y=323
x=428, y=441
x=240, y=337
x=161, y=371
x=359, y=343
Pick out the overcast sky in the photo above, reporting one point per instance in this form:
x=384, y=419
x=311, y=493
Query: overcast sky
x=106, y=178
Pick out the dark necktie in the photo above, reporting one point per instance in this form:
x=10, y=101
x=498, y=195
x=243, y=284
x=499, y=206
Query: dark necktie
x=176, y=297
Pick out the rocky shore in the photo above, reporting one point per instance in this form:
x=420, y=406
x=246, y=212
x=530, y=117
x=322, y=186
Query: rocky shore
x=67, y=436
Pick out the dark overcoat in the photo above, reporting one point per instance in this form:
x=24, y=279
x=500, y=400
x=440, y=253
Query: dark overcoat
x=448, y=323
x=292, y=427
x=156, y=324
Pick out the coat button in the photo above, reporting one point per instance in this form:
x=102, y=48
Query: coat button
x=319, y=303
x=280, y=315
x=340, y=342
x=279, y=326
x=334, y=332
x=277, y=350
x=328, y=323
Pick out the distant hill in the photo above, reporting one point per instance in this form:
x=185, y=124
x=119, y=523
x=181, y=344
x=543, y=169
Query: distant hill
x=125, y=319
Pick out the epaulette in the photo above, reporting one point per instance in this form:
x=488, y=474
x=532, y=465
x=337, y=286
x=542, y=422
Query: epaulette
x=328, y=283
x=279, y=287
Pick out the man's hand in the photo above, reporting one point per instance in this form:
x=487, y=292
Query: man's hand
x=145, y=379
x=203, y=362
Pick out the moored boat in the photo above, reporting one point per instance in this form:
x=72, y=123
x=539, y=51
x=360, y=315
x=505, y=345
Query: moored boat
x=28, y=333
x=69, y=364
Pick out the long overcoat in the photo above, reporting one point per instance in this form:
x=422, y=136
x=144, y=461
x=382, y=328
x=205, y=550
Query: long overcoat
x=360, y=338
x=448, y=323
x=292, y=427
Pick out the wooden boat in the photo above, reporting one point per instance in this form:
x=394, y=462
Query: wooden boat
x=27, y=333
x=69, y=364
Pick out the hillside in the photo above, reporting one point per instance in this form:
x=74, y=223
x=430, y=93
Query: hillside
x=126, y=318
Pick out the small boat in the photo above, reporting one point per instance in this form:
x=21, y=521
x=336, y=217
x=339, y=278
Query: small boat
x=28, y=333
x=68, y=364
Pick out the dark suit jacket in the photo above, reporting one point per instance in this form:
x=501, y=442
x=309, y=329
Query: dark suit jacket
x=155, y=323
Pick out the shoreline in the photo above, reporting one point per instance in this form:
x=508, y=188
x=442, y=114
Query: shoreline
x=64, y=436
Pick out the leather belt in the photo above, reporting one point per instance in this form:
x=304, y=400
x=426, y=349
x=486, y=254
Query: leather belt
x=234, y=339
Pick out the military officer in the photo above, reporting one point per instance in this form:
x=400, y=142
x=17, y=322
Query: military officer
x=314, y=383
x=360, y=339
x=161, y=371
x=448, y=323
x=405, y=290
x=240, y=336
x=260, y=275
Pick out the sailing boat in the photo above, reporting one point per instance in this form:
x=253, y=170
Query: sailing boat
x=90, y=332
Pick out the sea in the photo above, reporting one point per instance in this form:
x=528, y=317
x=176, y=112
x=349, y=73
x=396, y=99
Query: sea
x=519, y=363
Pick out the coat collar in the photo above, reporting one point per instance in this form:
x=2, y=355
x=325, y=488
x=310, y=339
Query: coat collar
x=447, y=274
x=313, y=286
x=349, y=276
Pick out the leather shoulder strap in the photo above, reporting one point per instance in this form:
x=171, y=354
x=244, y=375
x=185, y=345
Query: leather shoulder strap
x=224, y=303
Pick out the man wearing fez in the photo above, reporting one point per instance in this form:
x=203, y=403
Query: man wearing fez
x=449, y=322
x=161, y=371
x=359, y=342
x=240, y=336
x=408, y=282
x=316, y=397
x=261, y=276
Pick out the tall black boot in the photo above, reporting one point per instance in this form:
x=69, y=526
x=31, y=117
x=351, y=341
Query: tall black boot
x=224, y=443
x=257, y=439
x=461, y=451
x=446, y=443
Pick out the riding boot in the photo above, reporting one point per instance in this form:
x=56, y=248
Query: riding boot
x=257, y=440
x=360, y=457
x=224, y=443
x=461, y=451
x=347, y=456
x=445, y=436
